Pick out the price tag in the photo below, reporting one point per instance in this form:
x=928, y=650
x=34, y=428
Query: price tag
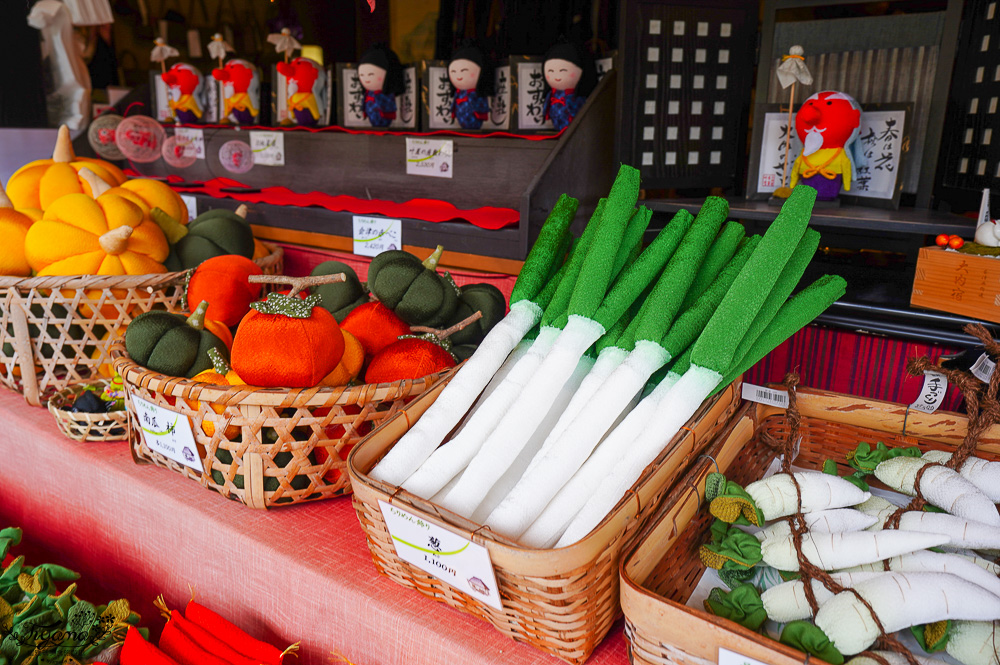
x=374, y=235
x=447, y=556
x=168, y=433
x=193, y=141
x=983, y=368
x=192, y=205
x=762, y=395
x=932, y=394
x=268, y=148
x=429, y=157
x=727, y=657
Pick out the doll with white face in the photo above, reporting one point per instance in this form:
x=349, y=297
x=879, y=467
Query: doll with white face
x=569, y=77
x=472, y=81
x=381, y=75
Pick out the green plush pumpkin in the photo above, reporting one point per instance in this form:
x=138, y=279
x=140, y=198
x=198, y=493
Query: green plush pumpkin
x=339, y=298
x=211, y=234
x=172, y=344
x=484, y=298
x=412, y=289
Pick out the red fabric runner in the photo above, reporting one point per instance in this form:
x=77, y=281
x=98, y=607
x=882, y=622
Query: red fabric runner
x=427, y=210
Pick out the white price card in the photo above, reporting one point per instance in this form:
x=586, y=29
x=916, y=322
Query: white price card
x=429, y=157
x=268, y=148
x=768, y=396
x=932, y=394
x=192, y=205
x=168, y=433
x=983, y=368
x=192, y=140
x=447, y=556
x=727, y=657
x=374, y=235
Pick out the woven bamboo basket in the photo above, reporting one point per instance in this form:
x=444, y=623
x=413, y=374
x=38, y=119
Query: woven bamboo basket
x=266, y=446
x=109, y=426
x=58, y=331
x=660, y=574
x=562, y=601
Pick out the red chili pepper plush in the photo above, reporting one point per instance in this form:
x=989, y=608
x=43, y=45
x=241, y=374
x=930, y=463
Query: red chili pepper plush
x=183, y=649
x=222, y=281
x=209, y=642
x=137, y=651
x=375, y=326
x=234, y=636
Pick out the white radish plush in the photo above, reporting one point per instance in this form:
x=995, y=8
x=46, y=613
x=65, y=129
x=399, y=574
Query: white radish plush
x=835, y=551
x=937, y=562
x=974, y=642
x=982, y=473
x=836, y=520
x=901, y=600
x=963, y=532
x=787, y=602
x=940, y=486
x=776, y=497
x=894, y=658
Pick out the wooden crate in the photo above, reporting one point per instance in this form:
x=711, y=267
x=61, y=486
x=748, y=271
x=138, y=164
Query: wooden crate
x=963, y=284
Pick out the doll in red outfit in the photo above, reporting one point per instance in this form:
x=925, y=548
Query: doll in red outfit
x=186, y=93
x=828, y=125
x=240, y=91
x=305, y=85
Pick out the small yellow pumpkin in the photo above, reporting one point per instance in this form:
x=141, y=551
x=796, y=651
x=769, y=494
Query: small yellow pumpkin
x=14, y=227
x=40, y=183
x=149, y=194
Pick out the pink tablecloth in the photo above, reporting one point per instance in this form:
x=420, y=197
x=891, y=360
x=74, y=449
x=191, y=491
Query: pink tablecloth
x=301, y=573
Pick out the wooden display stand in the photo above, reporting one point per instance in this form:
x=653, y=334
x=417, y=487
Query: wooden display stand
x=964, y=284
x=517, y=173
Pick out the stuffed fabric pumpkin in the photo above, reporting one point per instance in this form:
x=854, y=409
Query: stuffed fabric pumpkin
x=339, y=298
x=287, y=342
x=219, y=375
x=350, y=364
x=149, y=194
x=412, y=289
x=484, y=298
x=408, y=358
x=81, y=236
x=375, y=326
x=40, y=183
x=170, y=343
x=14, y=227
x=211, y=234
x=222, y=281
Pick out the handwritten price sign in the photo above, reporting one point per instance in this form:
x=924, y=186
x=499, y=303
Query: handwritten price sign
x=374, y=235
x=429, y=157
x=268, y=148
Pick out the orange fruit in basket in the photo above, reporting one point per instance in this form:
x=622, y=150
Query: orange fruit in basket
x=14, y=227
x=222, y=282
x=349, y=365
x=409, y=358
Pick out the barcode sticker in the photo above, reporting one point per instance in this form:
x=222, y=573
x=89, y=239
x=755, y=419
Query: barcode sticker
x=983, y=368
x=762, y=395
x=932, y=394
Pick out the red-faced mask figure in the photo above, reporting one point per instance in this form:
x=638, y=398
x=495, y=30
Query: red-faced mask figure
x=185, y=93
x=305, y=83
x=827, y=124
x=240, y=91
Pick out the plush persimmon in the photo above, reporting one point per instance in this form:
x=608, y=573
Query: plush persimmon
x=41, y=183
x=375, y=326
x=220, y=374
x=14, y=227
x=287, y=342
x=349, y=365
x=220, y=330
x=409, y=358
x=222, y=281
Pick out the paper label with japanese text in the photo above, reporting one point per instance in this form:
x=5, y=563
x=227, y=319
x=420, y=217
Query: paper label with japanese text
x=268, y=148
x=431, y=157
x=191, y=203
x=932, y=394
x=768, y=396
x=447, y=556
x=374, y=235
x=167, y=433
x=192, y=140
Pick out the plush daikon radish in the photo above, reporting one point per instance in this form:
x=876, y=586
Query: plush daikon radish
x=775, y=496
x=835, y=520
x=894, y=658
x=974, y=642
x=982, y=473
x=517, y=469
x=565, y=456
x=961, y=531
x=454, y=401
x=941, y=487
x=937, y=562
x=901, y=600
x=782, y=603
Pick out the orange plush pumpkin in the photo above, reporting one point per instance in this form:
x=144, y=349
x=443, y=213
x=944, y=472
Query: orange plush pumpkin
x=149, y=194
x=222, y=281
x=349, y=365
x=13, y=229
x=40, y=183
x=287, y=342
x=220, y=375
x=375, y=326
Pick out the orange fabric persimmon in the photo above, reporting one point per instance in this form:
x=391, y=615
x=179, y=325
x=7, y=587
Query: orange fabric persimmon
x=375, y=326
x=222, y=281
x=287, y=342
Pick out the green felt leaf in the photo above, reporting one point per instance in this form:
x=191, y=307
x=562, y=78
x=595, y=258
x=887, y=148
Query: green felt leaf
x=742, y=604
x=809, y=638
x=719, y=255
x=737, y=549
x=932, y=637
x=715, y=484
x=546, y=251
x=732, y=502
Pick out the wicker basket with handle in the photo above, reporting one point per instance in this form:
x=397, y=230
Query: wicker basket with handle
x=660, y=574
x=562, y=601
x=58, y=331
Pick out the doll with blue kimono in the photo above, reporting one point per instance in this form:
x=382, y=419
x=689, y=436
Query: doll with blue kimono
x=472, y=81
x=381, y=75
x=570, y=75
